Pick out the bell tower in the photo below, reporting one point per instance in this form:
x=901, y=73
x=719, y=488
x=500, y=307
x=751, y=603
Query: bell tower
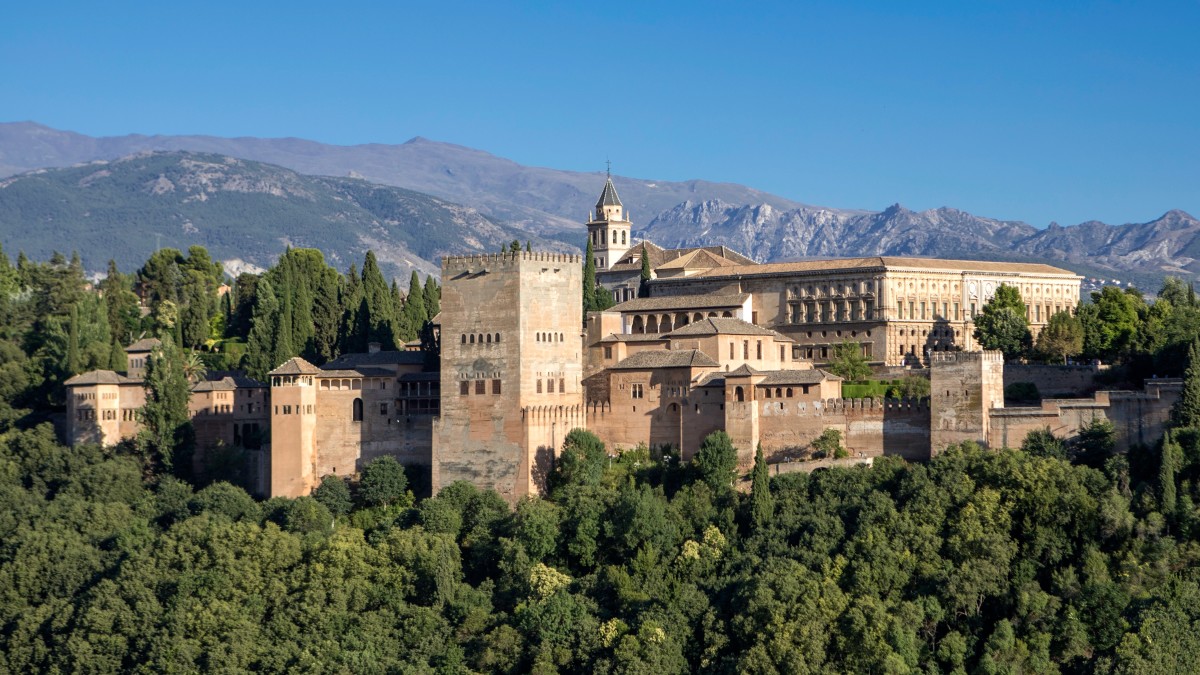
x=609, y=228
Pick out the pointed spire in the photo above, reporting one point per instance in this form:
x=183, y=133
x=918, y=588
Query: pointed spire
x=609, y=196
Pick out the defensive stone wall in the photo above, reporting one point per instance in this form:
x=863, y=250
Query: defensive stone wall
x=964, y=386
x=870, y=427
x=1055, y=381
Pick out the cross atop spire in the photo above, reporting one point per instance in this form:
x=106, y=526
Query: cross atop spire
x=608, y=167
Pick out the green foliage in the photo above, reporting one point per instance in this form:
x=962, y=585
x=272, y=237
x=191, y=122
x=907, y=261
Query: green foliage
x=828, y=444
x=581, y=462
x=1042, y=443
x=1002, y=324
x=1110, y=323
x=382, y=483
x=1061, y=338
x=1186, y=412
x=911, y=386
x=595, y=297
x=167, y=436
x=334, y=494
x=715, y=462
x=1024, y=392
x=377, y=312
x=848, y=361
x=762, y=505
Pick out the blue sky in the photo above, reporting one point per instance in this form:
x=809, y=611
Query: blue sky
x=1063, y=111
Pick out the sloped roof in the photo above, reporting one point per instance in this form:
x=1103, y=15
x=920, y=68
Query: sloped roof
x=743, y=370
x=143, y=345
x=660, y=256
x=788, y=377
x=380, y=358
x=681, y=302
x=360, y=371
x=726, y=326
x=609, y=196
x=296, y=366
x=100, y=377
x=697, y=259
x=885, y=262
x=633, y=337
x=240, y=379
x=666, y=358
x=223, y=384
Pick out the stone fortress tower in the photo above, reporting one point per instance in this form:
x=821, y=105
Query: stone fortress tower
x=609, y=228
x=511, y=365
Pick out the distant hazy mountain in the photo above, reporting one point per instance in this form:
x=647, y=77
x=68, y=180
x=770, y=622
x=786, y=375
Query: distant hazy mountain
x=242, y=211
x=528, y=197
x=764, y=226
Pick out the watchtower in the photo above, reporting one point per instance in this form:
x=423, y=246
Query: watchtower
x=293, y=467
x=511, y=366
x=963, y=387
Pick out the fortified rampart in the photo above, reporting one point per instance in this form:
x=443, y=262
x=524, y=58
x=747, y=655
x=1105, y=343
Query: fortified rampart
x=1055, y=381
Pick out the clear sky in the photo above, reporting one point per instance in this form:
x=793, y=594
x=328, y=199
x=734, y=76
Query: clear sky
x=1037, y=111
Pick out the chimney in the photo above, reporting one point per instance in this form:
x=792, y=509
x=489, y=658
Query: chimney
x=373, y=347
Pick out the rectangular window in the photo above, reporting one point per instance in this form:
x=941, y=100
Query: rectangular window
x=912, y=309
x=1039, y=313
x=550, y=385
x=561, y=389
x=731, y=350
x=608, y=352
x=464, y=388
x=754, y=317
x=635, y=391
x=539, y=385
x=824, y=352
x=383, y=408
x=900, y=309
x=746, y=349
x=287, y=410
x=495, y=387
x=781, y=354
x=479, y=387
x=956, y=311
x=383, y=384
x=972, y=310
x=758, y=350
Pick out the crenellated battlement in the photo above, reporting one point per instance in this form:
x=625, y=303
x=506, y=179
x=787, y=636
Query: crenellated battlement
x=463, y=262
x=987, y=356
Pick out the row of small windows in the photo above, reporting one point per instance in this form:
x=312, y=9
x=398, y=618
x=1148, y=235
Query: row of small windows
x=549, y=337
x=562, y=386
x=110, y=415
x=464, y=387
x=483, y=338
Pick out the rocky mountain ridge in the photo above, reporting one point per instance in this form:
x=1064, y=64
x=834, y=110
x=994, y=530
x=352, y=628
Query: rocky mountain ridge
x=244, y=212
x=555, y=204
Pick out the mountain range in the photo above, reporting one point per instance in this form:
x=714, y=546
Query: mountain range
x=244, y=212
x=522, y=202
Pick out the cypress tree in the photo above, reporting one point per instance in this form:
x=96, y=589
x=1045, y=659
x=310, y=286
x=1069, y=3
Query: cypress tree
x=433, y=297
x=116, y=358
x=194, y=315
x=1187, y=409
x=528, y=248
x=284, y=347
x=415, y=313
x=643, y=287
x=589, y=280
x=352, y=338
x=1168, y=466
x=381, y=317
x=166, y=437
x=762, y=505
x=72, y=364
x=260, y=347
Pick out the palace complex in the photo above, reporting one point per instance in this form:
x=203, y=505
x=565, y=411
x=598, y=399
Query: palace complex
x=713, y=341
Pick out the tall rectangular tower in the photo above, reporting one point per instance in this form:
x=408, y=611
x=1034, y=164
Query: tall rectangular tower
x=511, y=366
x=963, y=386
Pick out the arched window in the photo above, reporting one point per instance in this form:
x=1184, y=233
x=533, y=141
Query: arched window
x=472, y=339
x=358, y=410
x=488, y=338
x=464, y=338
x=622, y=237
x=497, y=337
x=739, y=394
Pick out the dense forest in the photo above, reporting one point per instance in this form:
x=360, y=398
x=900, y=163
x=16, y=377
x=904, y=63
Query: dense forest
x=1054, y=557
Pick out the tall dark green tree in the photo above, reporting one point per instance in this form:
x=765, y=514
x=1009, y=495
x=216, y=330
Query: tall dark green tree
x=381, y=316
x=644, y=284
x=1061, y=338
x=415, y=310
x=1186, y=412
x=595, y=298
x=762, y=504
x=1168, y=466
x=433, y=297
x=166, y=438
x=716, y=461
x=264, y=326
x=72, y=365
